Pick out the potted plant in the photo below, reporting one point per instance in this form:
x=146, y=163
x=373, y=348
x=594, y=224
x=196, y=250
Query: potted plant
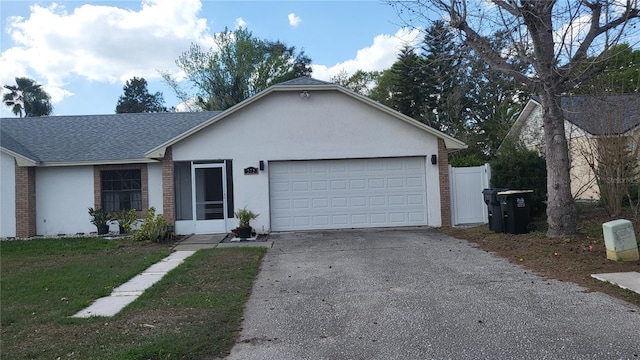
x=244, y=217
x=99, y=218
x=125, y=218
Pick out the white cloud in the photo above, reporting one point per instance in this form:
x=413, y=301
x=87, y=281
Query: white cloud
x=100, y=43
x=294, y=20
x=379, y=56
x=240, y=23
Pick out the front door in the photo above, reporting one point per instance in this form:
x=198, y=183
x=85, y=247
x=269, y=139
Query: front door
x=209, y=198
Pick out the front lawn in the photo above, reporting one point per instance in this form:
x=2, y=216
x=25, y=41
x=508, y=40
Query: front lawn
x=193, y=312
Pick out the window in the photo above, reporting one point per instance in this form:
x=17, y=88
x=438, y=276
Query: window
x=121, y=190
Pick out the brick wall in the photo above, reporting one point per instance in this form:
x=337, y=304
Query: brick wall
x=25, y=201
x=168, y=189
x=445, y=194
x=144, y=178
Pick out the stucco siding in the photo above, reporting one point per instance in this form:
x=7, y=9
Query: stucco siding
x=326, y=125
x=7, y=196
x=63, y=197
x=155, y=186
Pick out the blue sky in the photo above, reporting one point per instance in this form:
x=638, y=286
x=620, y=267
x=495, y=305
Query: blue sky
x=84, y=51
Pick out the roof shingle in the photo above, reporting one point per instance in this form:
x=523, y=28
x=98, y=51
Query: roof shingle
x=95, y=138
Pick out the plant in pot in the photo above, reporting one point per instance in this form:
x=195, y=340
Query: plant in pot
x=126, y=218
x=244, y=217
x=99, y=218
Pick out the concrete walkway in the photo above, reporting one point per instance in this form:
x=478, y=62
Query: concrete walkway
x=128, y=292
x=625, y=280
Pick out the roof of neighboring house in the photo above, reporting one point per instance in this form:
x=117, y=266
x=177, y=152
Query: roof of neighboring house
x=94, y=138
x=304, y=80
x=599, y=115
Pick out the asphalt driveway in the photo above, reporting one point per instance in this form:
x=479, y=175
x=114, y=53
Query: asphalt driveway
x=418, y=294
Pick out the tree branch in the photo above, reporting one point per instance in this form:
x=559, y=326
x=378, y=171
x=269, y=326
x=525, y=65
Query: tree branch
x=484, y=50
x=595, y=30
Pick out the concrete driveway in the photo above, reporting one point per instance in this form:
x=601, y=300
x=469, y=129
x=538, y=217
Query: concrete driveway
x=418, y=294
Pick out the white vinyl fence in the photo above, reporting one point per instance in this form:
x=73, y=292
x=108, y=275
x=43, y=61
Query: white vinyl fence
x=467, y=202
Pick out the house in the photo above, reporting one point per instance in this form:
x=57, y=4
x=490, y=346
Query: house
x=588, y=121
x=304, y=154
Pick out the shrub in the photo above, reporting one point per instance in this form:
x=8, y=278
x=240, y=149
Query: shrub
x=517, y=168
x=467, y=160
x=153, y=229
x=126, y=218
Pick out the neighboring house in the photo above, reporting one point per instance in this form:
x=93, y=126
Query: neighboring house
x=588, y=119
x=304, y=154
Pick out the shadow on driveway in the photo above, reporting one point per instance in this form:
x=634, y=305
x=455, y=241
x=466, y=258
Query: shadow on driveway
x=414, y=293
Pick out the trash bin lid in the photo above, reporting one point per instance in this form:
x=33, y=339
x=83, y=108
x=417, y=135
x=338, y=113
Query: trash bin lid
x=514, y=192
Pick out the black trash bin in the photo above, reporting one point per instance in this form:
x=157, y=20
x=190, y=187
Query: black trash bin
x=515, y=209
x=494, y=210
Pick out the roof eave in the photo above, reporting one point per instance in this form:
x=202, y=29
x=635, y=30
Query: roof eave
x=526, y=112
x=21, y=160
x=96, y=162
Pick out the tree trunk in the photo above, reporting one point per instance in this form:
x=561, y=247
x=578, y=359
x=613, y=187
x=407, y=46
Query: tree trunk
x=561, y=211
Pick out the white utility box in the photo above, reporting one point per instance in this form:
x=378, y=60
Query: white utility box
x=620, y=240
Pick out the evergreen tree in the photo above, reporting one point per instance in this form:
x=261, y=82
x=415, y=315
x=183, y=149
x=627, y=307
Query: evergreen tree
x=406, y=91
x=444, y=66
x=137, y=99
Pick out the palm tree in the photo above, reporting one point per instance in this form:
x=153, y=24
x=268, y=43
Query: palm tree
x=27, y=98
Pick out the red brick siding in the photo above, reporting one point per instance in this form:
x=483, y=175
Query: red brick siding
x=445, y=193
x=168, y=189
x=25, y=201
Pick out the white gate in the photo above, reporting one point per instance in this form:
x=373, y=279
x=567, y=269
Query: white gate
x=467, y=201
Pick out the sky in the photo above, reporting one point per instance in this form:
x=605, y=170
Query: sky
x=83, y=52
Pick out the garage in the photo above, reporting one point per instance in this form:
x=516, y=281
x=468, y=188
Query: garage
x=347, y=193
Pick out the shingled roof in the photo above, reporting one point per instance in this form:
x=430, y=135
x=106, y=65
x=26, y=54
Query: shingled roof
x=94, y=138
x=600, y=115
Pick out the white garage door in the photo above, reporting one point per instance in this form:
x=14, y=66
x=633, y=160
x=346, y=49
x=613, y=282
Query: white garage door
x=352, y=193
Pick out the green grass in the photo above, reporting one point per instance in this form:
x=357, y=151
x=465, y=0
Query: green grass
x=192, y=312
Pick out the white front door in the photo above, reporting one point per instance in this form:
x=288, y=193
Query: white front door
x=209, y=198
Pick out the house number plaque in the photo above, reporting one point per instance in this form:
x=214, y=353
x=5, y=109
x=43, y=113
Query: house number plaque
x=251, y=170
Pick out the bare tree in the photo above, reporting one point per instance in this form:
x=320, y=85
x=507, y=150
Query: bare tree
x=556, y=39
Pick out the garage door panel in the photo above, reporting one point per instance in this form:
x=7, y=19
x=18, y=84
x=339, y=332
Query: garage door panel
x=333, y=194
x=415, y=182
x=357, y=184
x=338, y=185
x=319, y=185
x=339, y=219
x=358, y=220
x=377, y=201
x=321, y=221
x=417, y=217
x=415, y=200
x=358, y=201
x=320, y=203
x=379, y=219
x=397, y=218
